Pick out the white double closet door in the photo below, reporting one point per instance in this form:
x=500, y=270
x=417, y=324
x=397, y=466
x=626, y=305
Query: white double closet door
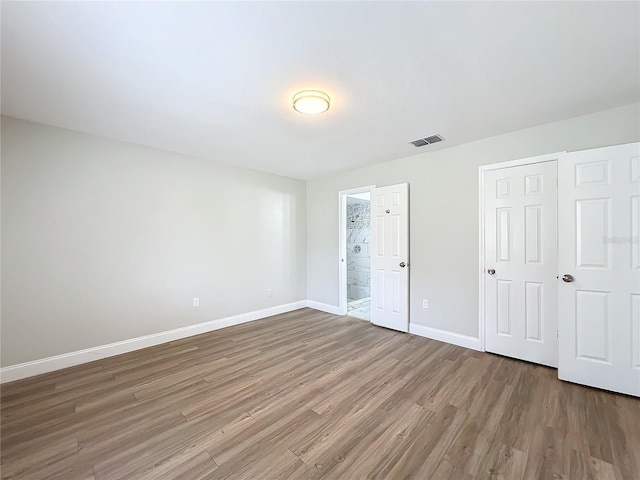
x=599, y=218
x=563, y=239
x=520, y=259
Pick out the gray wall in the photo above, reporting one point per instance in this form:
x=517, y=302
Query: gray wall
x=444, y=212
x=104, y=241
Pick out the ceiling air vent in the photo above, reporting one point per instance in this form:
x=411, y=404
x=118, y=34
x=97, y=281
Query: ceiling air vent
x=421, y=142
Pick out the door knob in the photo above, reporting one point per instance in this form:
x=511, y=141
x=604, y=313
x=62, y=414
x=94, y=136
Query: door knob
x=402, y=264
x=491, y=271
x=567, y=278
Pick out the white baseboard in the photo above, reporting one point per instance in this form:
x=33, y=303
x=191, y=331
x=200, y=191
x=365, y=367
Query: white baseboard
x=324, y=307
x=445, y=336
x=36, y=367
x=50, y=364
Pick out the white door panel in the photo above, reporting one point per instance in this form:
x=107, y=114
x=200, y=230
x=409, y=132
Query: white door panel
x=599, y=311
x=390, y=258
x=521, y=246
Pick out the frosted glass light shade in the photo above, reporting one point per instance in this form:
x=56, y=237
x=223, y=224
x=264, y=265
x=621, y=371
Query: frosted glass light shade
x=311, y=102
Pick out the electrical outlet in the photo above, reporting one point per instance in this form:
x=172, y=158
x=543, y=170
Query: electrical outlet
x=269, y=292
x=196, y=302
x=425, y=303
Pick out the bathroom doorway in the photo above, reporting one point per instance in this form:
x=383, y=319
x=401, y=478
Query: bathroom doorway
x=355, y=255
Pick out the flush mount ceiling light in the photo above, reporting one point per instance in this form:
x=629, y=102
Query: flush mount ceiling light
x=311, y=102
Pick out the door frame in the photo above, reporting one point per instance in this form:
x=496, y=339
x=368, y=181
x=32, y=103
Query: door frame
x=342, y=242
x=481, y=231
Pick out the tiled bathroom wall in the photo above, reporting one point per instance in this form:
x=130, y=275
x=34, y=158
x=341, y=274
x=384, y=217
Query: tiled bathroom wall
x=358, y=255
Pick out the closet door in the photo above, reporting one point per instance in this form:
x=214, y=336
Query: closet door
x=599, y=265
x=521, y=261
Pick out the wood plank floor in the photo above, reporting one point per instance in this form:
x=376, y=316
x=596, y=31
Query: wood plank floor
x=308, y=395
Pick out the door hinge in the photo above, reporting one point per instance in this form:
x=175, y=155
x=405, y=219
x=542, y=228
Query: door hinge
x=557, y=333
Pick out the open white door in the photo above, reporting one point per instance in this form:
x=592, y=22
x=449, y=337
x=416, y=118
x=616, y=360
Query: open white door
x=390, y=257
x=599, y=288
x=520, y=262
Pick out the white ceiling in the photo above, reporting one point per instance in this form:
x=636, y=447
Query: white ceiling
x=215, y=79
